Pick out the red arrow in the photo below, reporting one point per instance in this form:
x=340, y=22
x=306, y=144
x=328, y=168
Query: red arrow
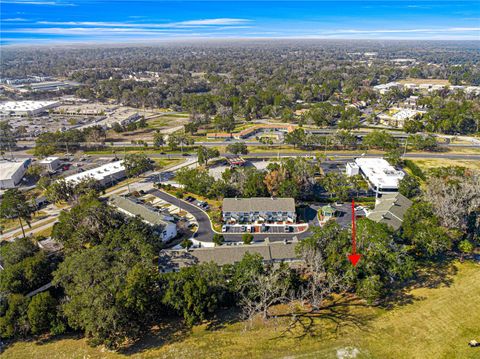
x=354, y=257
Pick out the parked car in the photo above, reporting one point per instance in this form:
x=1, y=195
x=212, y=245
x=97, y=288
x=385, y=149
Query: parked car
x=287, y=229
x=224, y=228
x=243, y=228
x=250, y=229
x=264, y=228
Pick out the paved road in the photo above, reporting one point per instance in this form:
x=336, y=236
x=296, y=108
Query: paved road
x=273, y=154
x=205, y=232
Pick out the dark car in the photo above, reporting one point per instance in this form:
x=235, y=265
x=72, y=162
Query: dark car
x=185, y=154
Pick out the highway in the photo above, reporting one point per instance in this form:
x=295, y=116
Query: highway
x=274, y=154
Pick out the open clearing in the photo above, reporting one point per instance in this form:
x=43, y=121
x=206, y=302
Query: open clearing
x=426, y=164
x=417, y=81
x=435, y=321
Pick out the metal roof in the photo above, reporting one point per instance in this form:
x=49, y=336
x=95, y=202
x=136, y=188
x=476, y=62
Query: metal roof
x=9, y=168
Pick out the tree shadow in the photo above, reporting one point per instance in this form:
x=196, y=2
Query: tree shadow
x=223, y=318
x=431, y=274
x=166, y=333
x=329, y=321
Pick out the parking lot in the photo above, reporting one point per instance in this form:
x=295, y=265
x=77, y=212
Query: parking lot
x=262, y=229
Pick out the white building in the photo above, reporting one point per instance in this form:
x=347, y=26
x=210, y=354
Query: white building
x=352, y=169
x=11, y=172
x=384, y=88
x=380, y=175
x=106, y=175
x=25, y=108
x=50, y=163
x=133, y=208
x=259, y=210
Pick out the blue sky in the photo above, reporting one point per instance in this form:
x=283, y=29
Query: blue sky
x=70, y=21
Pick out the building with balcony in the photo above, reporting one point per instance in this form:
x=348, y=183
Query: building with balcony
x=258, y=210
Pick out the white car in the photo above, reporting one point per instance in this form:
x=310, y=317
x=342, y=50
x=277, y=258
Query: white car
x=224, y=228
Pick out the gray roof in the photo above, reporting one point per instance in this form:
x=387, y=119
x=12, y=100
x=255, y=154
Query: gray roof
x=175, y=259
x=390, y=209
x=258, y=204
x=135, y=208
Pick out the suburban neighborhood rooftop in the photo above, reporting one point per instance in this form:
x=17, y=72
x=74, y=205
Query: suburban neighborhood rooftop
x=137, y=209
x=260, y=204
x=390, y=209
x=176, y=259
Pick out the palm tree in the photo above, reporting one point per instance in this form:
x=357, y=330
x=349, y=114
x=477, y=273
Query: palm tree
x=15, y=205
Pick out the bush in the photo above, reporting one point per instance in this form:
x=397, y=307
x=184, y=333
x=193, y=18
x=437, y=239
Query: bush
x=218, y=239
x=179, y=193
x=247, y=238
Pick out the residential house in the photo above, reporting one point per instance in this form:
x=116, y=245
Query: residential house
x=258, y=210
x=132, y=207
x=390, y=209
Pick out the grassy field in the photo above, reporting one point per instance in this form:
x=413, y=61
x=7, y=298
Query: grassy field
x=434, y=321
x=416, y=81
x=426, y=164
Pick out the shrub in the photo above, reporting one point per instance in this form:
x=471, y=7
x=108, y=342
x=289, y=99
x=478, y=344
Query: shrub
x=247, y=238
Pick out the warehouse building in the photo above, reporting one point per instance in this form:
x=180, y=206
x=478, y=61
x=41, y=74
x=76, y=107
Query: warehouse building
x=50, y=163
x=11, y=172
x=133, y=208
x=258, y=210
x=106, y=175
x=380, y=175
x=26, y=108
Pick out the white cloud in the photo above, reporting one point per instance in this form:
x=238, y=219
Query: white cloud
x=92, y=31
x=15, y=19
x=33, y=2
x=180, y=24
x=400, y=31
x=220, y=21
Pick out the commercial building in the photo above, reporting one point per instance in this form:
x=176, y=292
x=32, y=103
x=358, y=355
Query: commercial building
x=390, y=209
x=258, y=210
x=252, y=131
x=50, y=163
x=38, y=84
x=277, y=252
x=399, y=117
x=106, y=175
x=384, y=88
x=133, y=208
x=427, y=85
x=380, y=175
x=25, y=108
x=11, y=172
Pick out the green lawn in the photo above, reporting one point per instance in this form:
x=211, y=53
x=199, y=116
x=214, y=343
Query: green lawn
x=429, y=323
